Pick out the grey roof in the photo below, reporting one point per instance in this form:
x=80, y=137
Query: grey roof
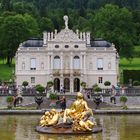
x=33, y=42
x=99, y=42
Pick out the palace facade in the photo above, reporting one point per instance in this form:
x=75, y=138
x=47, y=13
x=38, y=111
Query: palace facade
x=67, y=58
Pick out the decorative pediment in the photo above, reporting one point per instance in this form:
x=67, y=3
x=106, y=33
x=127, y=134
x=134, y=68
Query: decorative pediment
x=66, y=35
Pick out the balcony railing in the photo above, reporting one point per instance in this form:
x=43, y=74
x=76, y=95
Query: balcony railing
x=67, y=72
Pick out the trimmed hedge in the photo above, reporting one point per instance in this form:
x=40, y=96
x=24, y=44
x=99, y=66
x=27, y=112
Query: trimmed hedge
x=131, y=74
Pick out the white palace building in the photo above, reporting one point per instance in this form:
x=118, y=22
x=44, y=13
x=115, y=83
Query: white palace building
x=67, y=58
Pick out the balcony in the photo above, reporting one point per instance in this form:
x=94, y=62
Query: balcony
x=76, y=72
x=56, y=72
x=67, y=72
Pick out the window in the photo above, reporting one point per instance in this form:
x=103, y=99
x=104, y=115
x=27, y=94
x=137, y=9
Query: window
x=56, y=46
x=32, y=80
x=100, y=79
x=42, y=65
x=33, y=64
x=66, y=46
x=23, y=65
x=99, y=64
x=76, y=46
x=56, y=62
x=90, y=66
x=109, y=65
x=76, y=62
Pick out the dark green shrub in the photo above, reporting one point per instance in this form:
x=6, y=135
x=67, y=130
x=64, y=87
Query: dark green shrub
x=107, y=83
x=83, y=84
x=136, y=83
x=95, y=85
x=131, y=74
x=97, y=89
x=50, y=83
x=123, y=99
x=25, y=83
x=9, y=99
x=40, y=88
x=53, y=96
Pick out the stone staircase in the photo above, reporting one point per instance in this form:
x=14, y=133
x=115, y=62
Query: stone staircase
x=47, y=104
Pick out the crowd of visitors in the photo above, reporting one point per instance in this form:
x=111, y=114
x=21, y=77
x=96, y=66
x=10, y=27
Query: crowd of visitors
x=7, y=89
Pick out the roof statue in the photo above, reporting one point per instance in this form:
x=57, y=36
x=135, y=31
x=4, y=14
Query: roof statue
x=66, y=21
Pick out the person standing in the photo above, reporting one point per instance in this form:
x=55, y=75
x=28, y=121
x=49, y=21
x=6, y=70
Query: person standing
x=113, y=94
x=122, y=90
x=63, y=103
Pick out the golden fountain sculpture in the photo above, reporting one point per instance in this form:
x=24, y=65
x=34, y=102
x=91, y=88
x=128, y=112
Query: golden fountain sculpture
x=78, y=118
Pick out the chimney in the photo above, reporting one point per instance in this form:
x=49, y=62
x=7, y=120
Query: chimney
x=45, y=38
x=88, y=38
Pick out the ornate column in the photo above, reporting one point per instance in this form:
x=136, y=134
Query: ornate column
x=84, y=63
x=71, y=60
x=61, y=81
x=61, y=57
x=48, y=62
x=71, y=85
x=51, y=62
x=81, y=62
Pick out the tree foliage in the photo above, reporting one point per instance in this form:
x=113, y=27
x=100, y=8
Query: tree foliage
x=115, y=24
x=117, y=21
x=14, y=30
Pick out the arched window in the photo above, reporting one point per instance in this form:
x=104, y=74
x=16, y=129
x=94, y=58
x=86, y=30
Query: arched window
x=56, y=84
x=56, y=62
x=76, y=62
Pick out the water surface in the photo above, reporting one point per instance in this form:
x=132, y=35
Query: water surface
x=115, y=127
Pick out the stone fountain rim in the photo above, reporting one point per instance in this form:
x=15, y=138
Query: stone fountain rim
x=65, y=131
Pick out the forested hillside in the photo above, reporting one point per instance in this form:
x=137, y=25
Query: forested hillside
x=117, y=21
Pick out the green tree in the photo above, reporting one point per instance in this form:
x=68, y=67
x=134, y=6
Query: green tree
x=14, y=30
x=6, y=5
x=136, y=20
x=116, y=25
x=25, y=8
x=31, y=25
x=46, y=24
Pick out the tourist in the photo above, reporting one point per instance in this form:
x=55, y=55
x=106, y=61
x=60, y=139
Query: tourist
x=113, y=94
x=97, y=101
x=63, y=103
x=101, y=98
x=63, y=90
x=15, y=100
x=122, y=90
x=88, y=95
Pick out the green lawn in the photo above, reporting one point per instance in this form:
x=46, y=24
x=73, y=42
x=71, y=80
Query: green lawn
x=126, y=64
x=5, y=72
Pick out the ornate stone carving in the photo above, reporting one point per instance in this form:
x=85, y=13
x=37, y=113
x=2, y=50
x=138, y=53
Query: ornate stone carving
x=66, y=21
x=67, y=35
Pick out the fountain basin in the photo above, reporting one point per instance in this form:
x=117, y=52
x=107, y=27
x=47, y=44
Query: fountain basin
x=65, y=130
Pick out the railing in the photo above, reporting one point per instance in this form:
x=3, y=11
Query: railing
x=75, y=72
x=127, y=92
x=25, y=92
x=104, y=92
